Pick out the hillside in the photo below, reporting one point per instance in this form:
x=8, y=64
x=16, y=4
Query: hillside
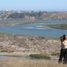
x=32, y=15
x=28, y=44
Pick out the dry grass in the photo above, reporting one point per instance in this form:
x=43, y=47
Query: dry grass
x=30, y=63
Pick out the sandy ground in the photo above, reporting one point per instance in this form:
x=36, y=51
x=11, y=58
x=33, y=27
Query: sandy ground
x=13, y=62
x=19, y=62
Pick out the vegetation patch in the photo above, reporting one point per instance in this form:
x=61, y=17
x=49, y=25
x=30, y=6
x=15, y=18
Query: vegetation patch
x=39, y=56
x=13, y=55
x=10, y=54
x=55, y=53
x=6, y=50
x=58, y=26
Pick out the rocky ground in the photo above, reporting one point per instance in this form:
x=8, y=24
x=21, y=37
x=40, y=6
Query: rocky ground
x=29, y=44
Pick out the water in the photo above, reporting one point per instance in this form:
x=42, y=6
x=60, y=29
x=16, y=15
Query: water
x=34, y=30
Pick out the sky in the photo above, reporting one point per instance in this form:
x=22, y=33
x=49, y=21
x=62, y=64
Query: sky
x=36, y=5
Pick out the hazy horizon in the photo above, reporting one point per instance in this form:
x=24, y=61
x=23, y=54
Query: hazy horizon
x=35, y=5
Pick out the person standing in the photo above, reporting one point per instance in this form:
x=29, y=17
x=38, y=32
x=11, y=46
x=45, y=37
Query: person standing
x=65, y=50
x=62, y=51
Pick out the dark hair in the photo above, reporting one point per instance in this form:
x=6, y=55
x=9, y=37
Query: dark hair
x=62, y=38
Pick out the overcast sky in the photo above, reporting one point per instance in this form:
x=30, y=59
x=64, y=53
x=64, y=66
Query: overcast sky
x=43, y=5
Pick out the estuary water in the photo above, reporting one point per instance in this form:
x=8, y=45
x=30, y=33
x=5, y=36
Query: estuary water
x=36, y=29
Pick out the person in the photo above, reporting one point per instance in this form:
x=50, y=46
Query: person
x=65, y=50
x=62, y=51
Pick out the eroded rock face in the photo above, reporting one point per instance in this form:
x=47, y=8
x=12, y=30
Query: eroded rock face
x=28, y=44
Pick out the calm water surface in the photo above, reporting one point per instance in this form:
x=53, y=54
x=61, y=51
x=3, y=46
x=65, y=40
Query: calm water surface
x=33, y=30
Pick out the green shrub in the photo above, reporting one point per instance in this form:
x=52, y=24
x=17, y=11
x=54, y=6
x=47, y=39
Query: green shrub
x=55, y=53
x=39, y=56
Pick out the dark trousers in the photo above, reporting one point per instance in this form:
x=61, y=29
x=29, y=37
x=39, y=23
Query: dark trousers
x=65, y=56
x=62, y=55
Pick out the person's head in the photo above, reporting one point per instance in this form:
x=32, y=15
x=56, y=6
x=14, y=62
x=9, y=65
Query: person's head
x=63, y=37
